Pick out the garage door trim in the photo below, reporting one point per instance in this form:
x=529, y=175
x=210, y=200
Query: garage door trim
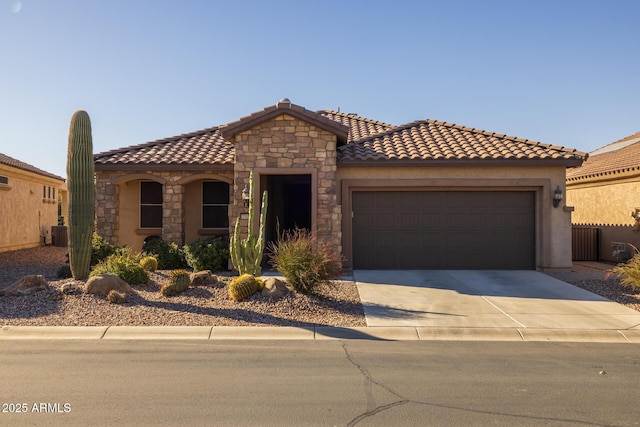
x=538, y=186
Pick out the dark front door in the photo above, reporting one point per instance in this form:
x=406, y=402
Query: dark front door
x=289, y=204
x=443, y=230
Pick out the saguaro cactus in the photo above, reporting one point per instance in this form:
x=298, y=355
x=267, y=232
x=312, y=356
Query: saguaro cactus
x=246, y=254
x=80, y=183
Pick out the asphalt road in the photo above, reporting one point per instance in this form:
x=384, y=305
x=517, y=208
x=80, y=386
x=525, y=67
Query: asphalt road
x=318, y=383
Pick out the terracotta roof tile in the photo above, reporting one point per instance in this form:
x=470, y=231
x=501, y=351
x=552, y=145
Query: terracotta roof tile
x=426, y=140
x=615, y=158
x=10, y=161
x=440, y=141
x=203, y=147
x=359, y=127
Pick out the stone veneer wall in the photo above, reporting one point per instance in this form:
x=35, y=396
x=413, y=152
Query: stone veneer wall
x=286, y=142
x=108, y=196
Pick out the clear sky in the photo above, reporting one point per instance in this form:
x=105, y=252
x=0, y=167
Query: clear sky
x=563, y=72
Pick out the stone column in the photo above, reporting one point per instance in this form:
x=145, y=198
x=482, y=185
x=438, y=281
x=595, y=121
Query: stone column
x=107, y=207
x=172, y=213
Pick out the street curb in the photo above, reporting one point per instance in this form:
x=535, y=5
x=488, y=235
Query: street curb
x=320, y=333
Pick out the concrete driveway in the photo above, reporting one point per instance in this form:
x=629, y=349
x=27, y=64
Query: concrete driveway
x=485, y=299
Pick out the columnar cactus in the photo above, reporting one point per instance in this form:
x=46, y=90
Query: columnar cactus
x=246, y=254
x=80, y=183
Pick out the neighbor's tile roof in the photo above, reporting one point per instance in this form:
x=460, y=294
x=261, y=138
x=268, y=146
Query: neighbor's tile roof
x=441, y=141
x=10, y=161
x=204, y=147
x=615, y=158
x=367, y=140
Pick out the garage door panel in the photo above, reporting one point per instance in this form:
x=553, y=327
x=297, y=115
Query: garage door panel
x=444, y=230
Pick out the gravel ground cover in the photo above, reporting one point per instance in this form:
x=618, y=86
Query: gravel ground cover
x=336, y=304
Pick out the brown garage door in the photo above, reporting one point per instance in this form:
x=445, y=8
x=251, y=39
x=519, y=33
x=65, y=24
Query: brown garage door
x=443, y=230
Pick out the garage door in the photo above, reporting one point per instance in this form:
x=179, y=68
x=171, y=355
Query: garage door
x=443, y=230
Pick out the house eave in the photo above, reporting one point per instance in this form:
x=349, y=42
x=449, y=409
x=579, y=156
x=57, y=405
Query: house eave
x=460, y=162
x=162, y=167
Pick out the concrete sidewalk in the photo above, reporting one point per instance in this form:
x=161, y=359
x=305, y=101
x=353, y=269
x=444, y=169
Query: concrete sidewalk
x=378, y=333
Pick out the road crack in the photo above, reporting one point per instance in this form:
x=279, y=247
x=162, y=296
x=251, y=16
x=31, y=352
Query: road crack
x=373, y=408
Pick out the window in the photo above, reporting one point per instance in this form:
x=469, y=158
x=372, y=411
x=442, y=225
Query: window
x=215, y=204
x=4, y=180
x=150, y=204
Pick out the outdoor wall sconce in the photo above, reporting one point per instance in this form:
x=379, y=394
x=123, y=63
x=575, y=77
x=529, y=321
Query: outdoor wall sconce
x=245, y=195
x=557, y=197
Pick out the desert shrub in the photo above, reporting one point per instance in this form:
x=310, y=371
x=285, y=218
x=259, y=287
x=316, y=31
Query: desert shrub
x=177, y=282
x=242, y=287
x=303, y=265
x=125, y=264
x=64, y=272
x=101, y=249
x=149, y=263
x=628, y=273
x=116, y=297
x=168, y=255
x=208, y=254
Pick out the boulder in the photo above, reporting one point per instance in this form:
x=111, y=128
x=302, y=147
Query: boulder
x=274, y=288
x=203, y=278
x=27, y=285
x=105, y=283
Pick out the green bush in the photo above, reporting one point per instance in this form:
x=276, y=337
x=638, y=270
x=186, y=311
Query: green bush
x=208, y=254
x=125, y=264
x=168, y=255
x=101, y=249
x=628, y=273
x=303, y=265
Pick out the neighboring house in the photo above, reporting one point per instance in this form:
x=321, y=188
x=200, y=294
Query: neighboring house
x=29, y=204
x=605, y=192
x=426, y=194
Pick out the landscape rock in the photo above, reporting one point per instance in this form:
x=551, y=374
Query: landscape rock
x=105, y=283
x=274, y=288
x=27, y=285
x=70, y=288
x=203, y=278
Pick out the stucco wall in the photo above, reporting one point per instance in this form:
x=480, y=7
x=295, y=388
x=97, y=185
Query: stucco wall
x=26, y=214
x=553, y=225
x=607, y=205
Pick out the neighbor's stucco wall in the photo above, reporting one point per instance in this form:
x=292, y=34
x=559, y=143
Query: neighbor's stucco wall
x=28, y=208
x=553, y=225
x=607, y=205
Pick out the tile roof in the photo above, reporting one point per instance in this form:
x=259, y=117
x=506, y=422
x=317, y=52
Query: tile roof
x=204, y=147
x=285, y=106
x=618, y=157
x=359, y=127
x=10, y=161
x=430, y=140
x=366, y=141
